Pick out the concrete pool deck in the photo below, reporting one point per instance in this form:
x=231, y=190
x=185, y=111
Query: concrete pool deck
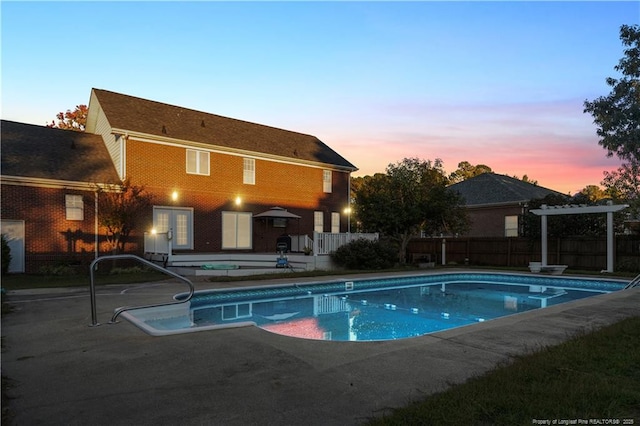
x=64, y=372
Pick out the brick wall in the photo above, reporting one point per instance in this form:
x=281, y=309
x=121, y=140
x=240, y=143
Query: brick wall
x=49, y=237
x=490, y=221
x=161, y=169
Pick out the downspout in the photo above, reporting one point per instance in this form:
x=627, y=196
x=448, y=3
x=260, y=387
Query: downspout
x=349, y=206
x=96, y=228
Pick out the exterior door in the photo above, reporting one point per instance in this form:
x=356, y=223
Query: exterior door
x=13, y=231
x=178, y=220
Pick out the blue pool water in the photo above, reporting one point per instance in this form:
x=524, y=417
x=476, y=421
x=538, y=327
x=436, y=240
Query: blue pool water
x=370, y=309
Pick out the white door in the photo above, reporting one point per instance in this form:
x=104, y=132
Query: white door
x=13, y=231
x=179, y=221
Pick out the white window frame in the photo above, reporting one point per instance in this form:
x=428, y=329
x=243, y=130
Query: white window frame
x=511, y=228
x=249, y=171
x=74, y=207
x=237, y=230
x=335, y=222
x=326, y=181
x=318, y=221
x=197, y=162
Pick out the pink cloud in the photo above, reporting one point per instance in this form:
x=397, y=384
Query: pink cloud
x=551, y=142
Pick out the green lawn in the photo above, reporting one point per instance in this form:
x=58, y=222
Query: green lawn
x=593, y=376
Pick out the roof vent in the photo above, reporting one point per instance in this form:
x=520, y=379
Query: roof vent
x=202, y=124
x=164, y=130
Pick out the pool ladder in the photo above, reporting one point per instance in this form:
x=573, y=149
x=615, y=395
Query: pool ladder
x=117, y=312
x=634, y=282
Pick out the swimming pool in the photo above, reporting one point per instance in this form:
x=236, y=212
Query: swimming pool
x=369, y=309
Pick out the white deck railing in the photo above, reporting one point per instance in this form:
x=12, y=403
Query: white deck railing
x=323, y=242
x=327, y=242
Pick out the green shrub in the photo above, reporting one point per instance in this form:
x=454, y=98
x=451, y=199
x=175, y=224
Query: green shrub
x=130, y=270
x=60, y=269
x=6, y=255
x=629, y=265
x=365, y=254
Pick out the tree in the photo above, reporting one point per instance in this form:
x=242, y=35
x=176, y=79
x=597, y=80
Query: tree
x=6, y=254
x=623, y=186
x=411, y=196
x=120, y=207
x=526, y=178
x=466, y=171
x=617, y=115
x=570, y=225
x=593, y=193
x=72, y=120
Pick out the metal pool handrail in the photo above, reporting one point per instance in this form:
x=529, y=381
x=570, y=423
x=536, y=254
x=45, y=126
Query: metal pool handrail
x=634, y=282
x=94, y=316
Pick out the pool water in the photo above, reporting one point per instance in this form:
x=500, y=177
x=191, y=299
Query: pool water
x=370, y=310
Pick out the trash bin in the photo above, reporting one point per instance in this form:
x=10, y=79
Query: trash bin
x=283, y=244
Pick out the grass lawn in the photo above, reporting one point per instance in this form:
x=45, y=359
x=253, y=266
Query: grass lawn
x=593, y=377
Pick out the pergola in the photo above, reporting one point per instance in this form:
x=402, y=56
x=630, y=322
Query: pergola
x=609, y=209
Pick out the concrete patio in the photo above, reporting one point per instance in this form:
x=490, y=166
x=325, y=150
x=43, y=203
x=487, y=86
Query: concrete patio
x=65, y=372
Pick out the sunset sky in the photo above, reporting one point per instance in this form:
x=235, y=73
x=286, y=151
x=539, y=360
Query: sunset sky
x=495, y=83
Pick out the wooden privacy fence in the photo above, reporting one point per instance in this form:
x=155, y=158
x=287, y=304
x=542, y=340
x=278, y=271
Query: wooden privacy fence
x=588, y=253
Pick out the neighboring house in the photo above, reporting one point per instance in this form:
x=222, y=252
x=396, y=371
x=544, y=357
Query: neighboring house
x=49, y=177
x=496, y=203
x=210, y=175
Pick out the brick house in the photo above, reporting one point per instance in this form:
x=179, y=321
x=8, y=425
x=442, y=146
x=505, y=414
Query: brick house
x=49, y=177
x=496, y=203
x=210, y=175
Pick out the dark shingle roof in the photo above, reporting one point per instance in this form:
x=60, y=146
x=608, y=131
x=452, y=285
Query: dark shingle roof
x=128, y=113
x=47, y=153
x=492, y=188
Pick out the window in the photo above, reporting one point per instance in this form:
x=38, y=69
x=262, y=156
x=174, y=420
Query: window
x=335, y=222
x=318, y=221
x=249, y=171
x=182, y=229
x=74, y=206
x=511, y=226
x=326, y=180
x=236, y=230
x=197, y=162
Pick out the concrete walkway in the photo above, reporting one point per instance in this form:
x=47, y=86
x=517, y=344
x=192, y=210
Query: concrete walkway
x=65, y=372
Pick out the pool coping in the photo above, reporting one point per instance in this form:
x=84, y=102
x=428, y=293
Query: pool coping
x=350, y=285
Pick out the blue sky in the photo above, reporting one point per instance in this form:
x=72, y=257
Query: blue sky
x=495, y=83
